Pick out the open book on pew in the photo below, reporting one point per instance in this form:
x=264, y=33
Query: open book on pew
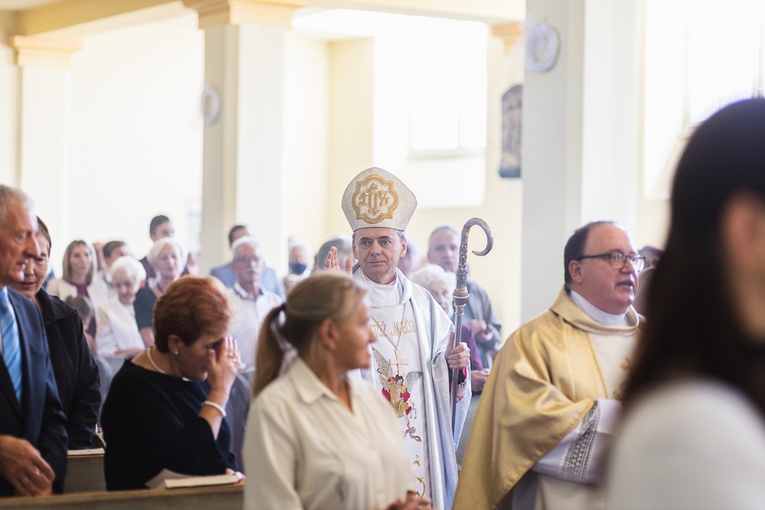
x=171, y=480
x=86, y=453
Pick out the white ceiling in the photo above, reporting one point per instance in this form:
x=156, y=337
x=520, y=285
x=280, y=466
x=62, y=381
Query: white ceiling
x=17, y=5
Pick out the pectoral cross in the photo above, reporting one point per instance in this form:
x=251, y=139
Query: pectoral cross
x=398, y=361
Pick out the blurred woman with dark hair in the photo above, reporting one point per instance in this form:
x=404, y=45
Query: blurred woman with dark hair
x=73, y=366
x=158, y=415
x=693, y=434
x=317, y=438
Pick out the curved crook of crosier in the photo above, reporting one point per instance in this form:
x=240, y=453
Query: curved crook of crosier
x=486, y=229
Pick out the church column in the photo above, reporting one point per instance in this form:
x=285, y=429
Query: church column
x=244, y=139
x=505, y=58
x=579, y=118
x=45, y=125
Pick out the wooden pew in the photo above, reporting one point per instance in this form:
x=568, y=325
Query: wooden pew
x=225, y=497
x=85, y=472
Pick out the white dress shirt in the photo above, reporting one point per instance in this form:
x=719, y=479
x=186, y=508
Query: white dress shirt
x=305, y=449
x=248, y=316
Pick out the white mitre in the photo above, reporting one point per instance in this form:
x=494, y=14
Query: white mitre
x=377, y=198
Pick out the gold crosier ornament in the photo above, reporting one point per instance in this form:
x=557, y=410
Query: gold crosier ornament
x=461, y=295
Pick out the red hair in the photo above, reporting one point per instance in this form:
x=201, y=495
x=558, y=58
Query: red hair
x=190, y=307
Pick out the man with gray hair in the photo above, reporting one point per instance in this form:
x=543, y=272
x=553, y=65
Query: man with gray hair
x=33, y=437
x=412, y=358
x=225, y=273
x=443, y=250
x=251, y=301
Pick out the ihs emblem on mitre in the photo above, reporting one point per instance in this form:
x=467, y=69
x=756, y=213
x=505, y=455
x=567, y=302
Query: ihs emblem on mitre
x=374, y=199
x=377, y=198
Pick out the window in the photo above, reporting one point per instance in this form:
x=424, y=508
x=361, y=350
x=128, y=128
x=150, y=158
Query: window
x=725, y=52
x=448, y=88
x=699, y=55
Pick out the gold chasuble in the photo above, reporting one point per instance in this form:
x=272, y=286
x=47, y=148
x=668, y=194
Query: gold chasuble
x=544, y=381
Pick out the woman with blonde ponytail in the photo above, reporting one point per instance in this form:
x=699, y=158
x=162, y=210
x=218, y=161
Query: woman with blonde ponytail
x=317, y=438
x=270, y=354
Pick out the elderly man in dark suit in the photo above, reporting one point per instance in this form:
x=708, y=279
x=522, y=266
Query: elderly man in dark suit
x=32, y=424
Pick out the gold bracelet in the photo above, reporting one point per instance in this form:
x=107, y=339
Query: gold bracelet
x=219, y=407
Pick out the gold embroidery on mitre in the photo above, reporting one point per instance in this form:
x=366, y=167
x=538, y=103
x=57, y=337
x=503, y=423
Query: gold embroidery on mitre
x=374, y=199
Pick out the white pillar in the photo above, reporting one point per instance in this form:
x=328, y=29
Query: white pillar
x=44, y=126
x=578, y=120
x=243, y=175
x=220, y=165
x=262, y=195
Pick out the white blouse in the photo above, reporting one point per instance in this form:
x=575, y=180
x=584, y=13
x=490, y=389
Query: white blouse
x=116, y=328
x=696, y=444
x=98, y=293
x=305, y=449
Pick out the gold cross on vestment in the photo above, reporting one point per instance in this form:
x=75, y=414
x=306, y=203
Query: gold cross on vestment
x=398, y=361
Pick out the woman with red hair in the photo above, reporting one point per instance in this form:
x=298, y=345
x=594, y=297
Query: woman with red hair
x=158, y=415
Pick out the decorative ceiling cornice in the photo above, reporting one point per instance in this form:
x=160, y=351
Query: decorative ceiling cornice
x=42, y=51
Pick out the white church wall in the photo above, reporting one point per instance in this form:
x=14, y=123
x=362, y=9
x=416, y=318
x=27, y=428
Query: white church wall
x=261, y=141
x=136, y=134
x=396, y=74
x=351, y=121
x=663, y=116
x=502, y=276
x=306, y=155
x=8, y=100
x=610, y=114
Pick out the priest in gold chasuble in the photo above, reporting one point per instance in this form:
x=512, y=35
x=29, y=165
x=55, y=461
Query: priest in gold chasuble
x=551, y=402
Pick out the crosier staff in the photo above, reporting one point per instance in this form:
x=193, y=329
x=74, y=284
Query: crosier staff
x=461, y=294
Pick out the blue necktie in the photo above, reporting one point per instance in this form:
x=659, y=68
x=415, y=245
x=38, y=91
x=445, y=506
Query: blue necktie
x=11, y=346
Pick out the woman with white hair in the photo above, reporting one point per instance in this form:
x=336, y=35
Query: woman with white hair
x=117, y=334
x=167, y=257
x=441, y=285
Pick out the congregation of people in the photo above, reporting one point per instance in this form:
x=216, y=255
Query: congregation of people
x=342, y=385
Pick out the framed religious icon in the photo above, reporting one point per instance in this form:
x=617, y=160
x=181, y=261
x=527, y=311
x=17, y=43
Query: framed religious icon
x=510, y=164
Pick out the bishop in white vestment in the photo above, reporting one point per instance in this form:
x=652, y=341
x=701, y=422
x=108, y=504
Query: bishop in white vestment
x=412, y=356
